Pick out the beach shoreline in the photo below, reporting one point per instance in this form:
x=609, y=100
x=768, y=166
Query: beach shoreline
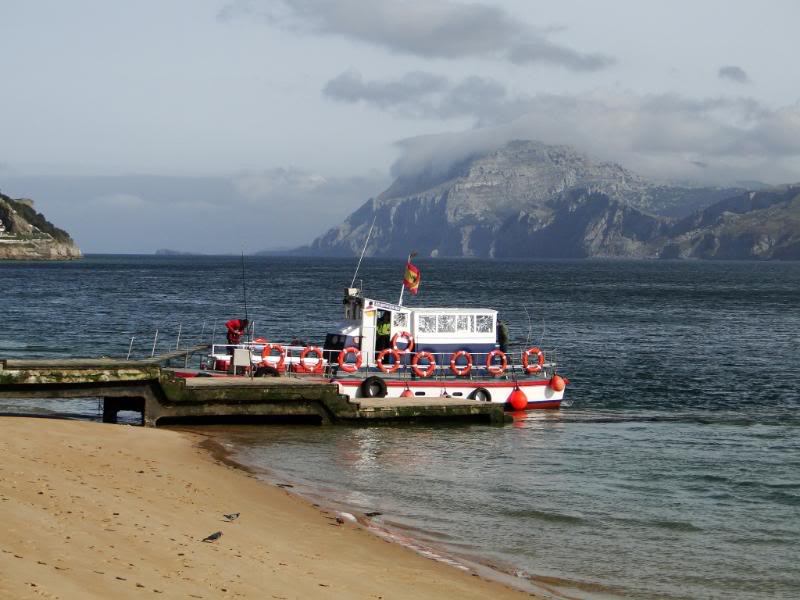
x=94, y=510
x=505, y=574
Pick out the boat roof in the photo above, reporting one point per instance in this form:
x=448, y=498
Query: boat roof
x=380, y=304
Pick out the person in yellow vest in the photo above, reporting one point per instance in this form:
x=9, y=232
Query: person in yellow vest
x=383, y=330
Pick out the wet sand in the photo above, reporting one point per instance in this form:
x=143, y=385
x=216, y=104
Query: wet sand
x=100, y=511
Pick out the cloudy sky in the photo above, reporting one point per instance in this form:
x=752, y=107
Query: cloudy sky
x=221, y=125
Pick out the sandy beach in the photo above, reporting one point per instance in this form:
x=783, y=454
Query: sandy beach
x=100, y=511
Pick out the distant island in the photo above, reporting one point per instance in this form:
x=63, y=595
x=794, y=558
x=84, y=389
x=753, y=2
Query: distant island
x=26, y=235
x=168, y=252
x=532, y=200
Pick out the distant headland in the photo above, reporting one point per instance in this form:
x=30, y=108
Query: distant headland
x=26, y=235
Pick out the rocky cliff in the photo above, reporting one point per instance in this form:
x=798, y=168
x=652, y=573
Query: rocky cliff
x=528, y=199
x=26, y=235
x=760, y=225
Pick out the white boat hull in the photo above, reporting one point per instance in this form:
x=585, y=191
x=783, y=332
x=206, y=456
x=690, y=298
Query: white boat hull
x=539, y=392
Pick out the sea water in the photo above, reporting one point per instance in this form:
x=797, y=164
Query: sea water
x=675, y=472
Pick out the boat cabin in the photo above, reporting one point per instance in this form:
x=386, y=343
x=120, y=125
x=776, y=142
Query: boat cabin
x=369, y=325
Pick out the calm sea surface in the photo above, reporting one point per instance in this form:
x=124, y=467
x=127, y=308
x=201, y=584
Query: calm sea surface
x=674, y=474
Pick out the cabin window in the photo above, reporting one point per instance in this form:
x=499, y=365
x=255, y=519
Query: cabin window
x=401, y=320
x=465, y=323
x=427, y=323
x=484, y=323
x=446, y=324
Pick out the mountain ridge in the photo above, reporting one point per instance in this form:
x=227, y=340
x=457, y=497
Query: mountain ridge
x=531, y=200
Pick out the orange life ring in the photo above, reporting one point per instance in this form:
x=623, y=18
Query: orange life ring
x=346, y=366
x=526, y=360
x=304, y=354
x=496, y=370
x=388, y=368
x=428, y=370
x=406, y=335
x=463, y=369
x=267, y=353
x=260, y=340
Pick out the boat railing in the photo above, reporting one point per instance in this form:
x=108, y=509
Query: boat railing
x=303, y=360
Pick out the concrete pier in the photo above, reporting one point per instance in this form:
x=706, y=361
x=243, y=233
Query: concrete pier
x=163, y=398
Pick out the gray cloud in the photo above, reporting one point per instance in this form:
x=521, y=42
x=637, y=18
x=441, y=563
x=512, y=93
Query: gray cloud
x=734, y=73
x=429, y=28
x=542, y=51
x=662, y=136
x=430, y=96
x=417, y=85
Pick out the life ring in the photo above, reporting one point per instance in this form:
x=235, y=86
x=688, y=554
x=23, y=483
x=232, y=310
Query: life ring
x=428, y=370
x=267, y=353
x=463, y=370
x=526, y=360
x=392, y=367
x=346, y=366
x=403, y=335
x=496, y=370
x=304, y=354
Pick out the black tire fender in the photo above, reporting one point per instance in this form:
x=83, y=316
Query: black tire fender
x=373, y=387
x=266, y=372
x=481, y=394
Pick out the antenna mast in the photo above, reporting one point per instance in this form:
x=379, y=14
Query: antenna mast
x=244, y=292
x=363, y=250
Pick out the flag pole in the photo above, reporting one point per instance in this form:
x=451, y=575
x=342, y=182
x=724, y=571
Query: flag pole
x=403, y=285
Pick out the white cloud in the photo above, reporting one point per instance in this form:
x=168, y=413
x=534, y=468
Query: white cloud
x=273, y=184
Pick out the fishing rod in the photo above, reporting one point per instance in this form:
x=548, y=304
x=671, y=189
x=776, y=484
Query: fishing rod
x=363, y=251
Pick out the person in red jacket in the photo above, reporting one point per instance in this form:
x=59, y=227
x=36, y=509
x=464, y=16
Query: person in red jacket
x=236, y=328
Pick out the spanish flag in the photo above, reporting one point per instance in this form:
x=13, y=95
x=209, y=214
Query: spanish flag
x=412, y=278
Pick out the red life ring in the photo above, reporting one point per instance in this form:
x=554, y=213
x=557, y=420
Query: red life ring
x=346, y=366
x=388, y=368
x=406, y=335
x=463, y=369
x=304, y=354
x=428, y=370
x=526, y=357
x=496, y=370
x=267, y=353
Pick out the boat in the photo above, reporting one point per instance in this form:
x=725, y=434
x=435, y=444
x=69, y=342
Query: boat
x=381, y=349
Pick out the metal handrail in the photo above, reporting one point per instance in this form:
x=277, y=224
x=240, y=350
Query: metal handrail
x=442, y=370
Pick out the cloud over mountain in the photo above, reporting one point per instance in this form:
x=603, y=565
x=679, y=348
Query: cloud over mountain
x=664, y=135
x=424, y=28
